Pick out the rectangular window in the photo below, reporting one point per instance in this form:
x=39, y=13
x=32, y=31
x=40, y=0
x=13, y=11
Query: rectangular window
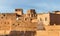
x=40, y=19
x=45, y=19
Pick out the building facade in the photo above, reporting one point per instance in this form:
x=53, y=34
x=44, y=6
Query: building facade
x=18, y=21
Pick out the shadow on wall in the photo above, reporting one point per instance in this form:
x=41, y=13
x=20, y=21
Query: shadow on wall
x=22, y=33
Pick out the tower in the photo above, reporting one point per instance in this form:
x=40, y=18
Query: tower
x=19, y=11
x=31, y=13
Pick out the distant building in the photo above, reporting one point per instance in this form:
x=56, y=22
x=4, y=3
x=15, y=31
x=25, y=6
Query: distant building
x=49, y=18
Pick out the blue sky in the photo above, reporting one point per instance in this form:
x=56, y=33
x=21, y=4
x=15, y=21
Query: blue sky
x=38, y=5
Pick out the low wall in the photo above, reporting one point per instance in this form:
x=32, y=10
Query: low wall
x=4, y=32
x=48, y=33
x=52, y=28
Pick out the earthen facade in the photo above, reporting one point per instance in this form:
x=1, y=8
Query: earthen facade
x=31, y=21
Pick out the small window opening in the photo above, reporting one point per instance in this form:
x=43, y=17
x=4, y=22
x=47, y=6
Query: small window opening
x=45, y=19
x=40, y=19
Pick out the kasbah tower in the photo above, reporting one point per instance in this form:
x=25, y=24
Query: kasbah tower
x=30, y=24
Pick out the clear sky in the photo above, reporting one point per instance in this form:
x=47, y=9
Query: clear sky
x=38, y=5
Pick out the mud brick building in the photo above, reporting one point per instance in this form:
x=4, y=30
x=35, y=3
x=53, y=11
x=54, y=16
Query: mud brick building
x=28, y=24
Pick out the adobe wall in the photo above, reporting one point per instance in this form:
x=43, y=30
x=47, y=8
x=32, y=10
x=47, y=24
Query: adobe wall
x=54, y=19
x=49, y=31
x=45, y=18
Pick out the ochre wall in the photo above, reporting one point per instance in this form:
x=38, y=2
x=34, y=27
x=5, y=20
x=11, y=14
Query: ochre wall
x=48, y=33
x=42, y=17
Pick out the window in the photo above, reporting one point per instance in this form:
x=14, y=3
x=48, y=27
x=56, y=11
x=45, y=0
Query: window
x=25, y=18
x=45, y=19
x=19, y=19
x=3, y=14
x=18, y=24
x=2, y=17
x=8, y=22
x=30, y=19
x=28, y=14
x=13, y=24
x=5, y=22
x=40, y=19
x=32, y=15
